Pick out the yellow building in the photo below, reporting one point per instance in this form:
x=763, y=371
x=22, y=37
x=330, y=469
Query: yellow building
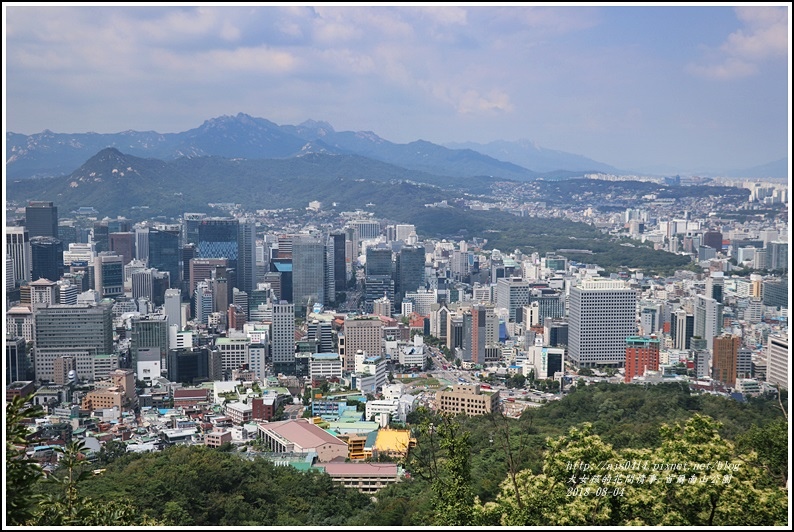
x=467, y=398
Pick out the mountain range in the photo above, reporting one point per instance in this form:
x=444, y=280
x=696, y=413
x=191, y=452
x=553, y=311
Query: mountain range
x=49, y=154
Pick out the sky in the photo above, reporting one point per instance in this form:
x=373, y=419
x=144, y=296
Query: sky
x=683, y=87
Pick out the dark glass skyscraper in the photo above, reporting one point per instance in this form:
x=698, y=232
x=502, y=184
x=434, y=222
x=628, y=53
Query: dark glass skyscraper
x=409, y=272
x=307, y=272
x=47, y=258
x=340, y=265
x=246, y=256
x=164, y=252
x=41, y=219
x=218, y=238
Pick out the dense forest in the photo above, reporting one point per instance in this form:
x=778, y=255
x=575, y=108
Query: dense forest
x=482, y=470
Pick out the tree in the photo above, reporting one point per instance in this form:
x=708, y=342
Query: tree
x=693, y=478
x=454, y=498
x=110, y=451
x=22, y=473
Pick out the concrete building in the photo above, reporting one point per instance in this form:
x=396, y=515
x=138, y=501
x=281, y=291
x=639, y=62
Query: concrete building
x=602, y=315
x=778, y=357
x=642, y=355
x=302, y=436
x=725, y=359
x=467, y=398
x=360, y=333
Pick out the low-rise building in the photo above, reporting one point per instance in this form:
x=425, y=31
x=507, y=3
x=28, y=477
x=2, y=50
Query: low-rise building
x=467, y=398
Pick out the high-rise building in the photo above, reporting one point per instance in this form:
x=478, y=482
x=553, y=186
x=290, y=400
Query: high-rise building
x=776, y=292
x=43, y=293
x=189, y=252
x=778, y=358
x=602, y=315
x=409, y=271
x=379, y=276
x=363, y=333
x=173, y=307
x=713, y=239
x=715, y=286
x=150, y=335
x=109, y=274
x=708, y=319
x=340, y=262
x=218, y=238
x=123, y=244
x=194, y=365
x=381, y=307
x=151, y=284
x=41, y=219
x=725, y=359
x=47, y=258
x=18, y=248
x=682, y=328
x=246, y=255
x=474, y=334
x=777, y=256
x=321, y=331
x=164, y=252
x=308, y=276
x=512, y=293
x=203, y=302
x=642, y=355
x=17, y=363
x=283, y=339
x=329, y=283
x=190, y=227
x=551, y=302
x=85, y=331
x=141, y=242
x=202, y=269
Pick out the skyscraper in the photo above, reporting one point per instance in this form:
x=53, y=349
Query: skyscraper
x=246, y=255
x=41, y=219
x=340, y=262
x=708, y=319
x=308, y=277
x=123, y=244
x=379, y=280
x=725, y=359
x=164, y=252
x=82, y=330
x=682, y=328
x=18, y=249
x=283, y=341
x=777, y=256
x=512, y=293
x=602, y=314
x=409, y=271
x=108, y=274
x=47, y=257
x=218, y=238
x=363, y=333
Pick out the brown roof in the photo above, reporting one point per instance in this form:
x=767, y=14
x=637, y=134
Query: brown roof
x=184, y=393
x=302, y=432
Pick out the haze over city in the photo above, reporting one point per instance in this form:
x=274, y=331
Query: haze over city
x=646, y=88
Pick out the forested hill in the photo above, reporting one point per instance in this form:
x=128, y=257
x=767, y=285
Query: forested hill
x=493, y=471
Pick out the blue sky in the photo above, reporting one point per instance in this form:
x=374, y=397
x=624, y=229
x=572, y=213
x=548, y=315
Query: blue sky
x=685, y=87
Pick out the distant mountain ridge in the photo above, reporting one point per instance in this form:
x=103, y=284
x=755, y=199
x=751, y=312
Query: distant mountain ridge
x=527, y=153
x=49, y=154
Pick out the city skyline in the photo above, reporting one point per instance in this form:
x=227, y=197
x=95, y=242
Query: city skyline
x=681, y=87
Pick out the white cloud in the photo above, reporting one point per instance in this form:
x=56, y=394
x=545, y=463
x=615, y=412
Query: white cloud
x=764, y=36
